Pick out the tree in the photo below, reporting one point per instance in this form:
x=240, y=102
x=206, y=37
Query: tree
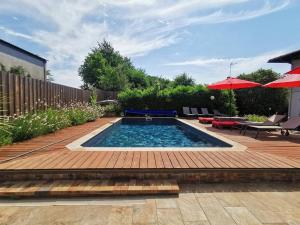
x=49, y=76
x=18, y=70
x=105, y=68
x=260, y=100
x=184, y=80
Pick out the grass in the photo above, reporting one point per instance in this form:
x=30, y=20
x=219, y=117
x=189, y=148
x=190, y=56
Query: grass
x=256, y=118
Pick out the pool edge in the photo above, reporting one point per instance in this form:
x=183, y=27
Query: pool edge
x=77, y=144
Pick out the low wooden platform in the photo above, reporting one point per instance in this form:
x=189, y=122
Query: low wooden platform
x=48, y=153
x=80, y=188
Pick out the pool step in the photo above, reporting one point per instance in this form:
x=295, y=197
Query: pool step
x=85, y=188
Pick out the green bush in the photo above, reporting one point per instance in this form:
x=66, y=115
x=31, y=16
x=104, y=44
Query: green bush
x=32, y=125
x=256, y=118
x=175, y=98
x=5, y=134
x=260, y=100
x=112, y=109
x=80, y=114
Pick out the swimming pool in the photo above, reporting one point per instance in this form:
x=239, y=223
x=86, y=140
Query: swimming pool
x=154, y=133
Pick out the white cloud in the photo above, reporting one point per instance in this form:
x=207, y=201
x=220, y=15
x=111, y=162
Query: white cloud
x=70, y=28
x=208, y=70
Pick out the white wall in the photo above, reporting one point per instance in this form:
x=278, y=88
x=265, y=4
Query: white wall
x=35, y=71
x=294, y=105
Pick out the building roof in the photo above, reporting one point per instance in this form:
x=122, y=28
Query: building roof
x=287, y=58
x=22, y=50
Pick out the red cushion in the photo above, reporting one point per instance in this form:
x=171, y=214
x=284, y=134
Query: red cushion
x=206, y=119
x=224, y=123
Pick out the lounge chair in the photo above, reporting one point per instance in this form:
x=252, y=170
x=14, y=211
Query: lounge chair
x=292, y=124
x=205, y=112
x=186, y=111
x=195, y=111
x=218, y=113
x=271, y=121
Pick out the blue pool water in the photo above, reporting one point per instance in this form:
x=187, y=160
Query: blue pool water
x=137, y=132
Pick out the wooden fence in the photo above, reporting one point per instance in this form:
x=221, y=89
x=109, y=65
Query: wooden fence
x=22, y=94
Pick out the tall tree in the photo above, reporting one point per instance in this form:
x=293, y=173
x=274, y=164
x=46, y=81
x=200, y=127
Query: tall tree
x=184, y=80
x=105, y=68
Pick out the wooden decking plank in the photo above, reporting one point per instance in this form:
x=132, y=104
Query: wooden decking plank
x=113, y=160
x=181, y=160
x=136, y=160
x=227, y=161
x=144, y=160
x=91, y=159
x=237, y=159
x=105, y=160
x=166, y=160
x=173, y=160
x=151, y=160
x=210, y=159
x=198, y=163
x=69, y=160
x=158, y=160
x=98, y=159
x=128, y=160
x=83, y=157
x=202, y=160
x=121, y=160
x=63, y=162
x=258, y=161
x=188, y=160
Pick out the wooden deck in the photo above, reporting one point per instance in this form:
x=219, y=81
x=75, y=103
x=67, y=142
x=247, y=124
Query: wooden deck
x=48, y=153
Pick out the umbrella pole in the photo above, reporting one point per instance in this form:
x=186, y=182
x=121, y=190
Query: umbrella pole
x=230, y=102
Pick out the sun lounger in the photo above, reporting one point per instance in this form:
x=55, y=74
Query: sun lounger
x=205, y=112
x=292, y=124
x=186, y=111
x=195, y=111
x=217, y=113
x=230, y=118
x=271, y=121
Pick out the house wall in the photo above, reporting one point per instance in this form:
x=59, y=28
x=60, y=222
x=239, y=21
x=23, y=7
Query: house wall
x=294, y=105
x=10, y=57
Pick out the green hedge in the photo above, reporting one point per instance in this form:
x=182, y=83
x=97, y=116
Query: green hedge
x=175, y=98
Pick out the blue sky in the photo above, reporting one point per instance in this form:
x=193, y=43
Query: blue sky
x=164, y=37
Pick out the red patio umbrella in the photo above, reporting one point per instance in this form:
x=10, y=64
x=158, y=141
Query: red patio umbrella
x=290, y=80
x=232, y=83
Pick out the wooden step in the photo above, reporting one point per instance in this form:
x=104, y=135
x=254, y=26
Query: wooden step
x=80, y=188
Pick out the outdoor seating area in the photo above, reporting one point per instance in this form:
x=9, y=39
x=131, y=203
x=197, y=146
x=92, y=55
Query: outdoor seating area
x=131, y=112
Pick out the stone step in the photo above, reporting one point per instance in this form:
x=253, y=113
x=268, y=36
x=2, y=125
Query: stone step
x=85, y=188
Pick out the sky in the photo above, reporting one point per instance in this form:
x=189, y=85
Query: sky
x=163, y=37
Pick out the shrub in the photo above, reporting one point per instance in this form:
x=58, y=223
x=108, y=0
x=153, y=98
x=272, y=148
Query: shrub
x=32, y=125
x=175, y=98
x=80, y=114
x=5, y=134
x=260, y=100
x=112, y=109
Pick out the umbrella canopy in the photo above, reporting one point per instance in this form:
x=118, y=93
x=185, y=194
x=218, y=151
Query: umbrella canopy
x=233, y=83
x=290, y=80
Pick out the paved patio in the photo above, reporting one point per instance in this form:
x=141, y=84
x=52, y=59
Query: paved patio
x=206, y=204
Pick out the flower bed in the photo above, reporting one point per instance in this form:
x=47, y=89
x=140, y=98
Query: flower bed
x=32, y=125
